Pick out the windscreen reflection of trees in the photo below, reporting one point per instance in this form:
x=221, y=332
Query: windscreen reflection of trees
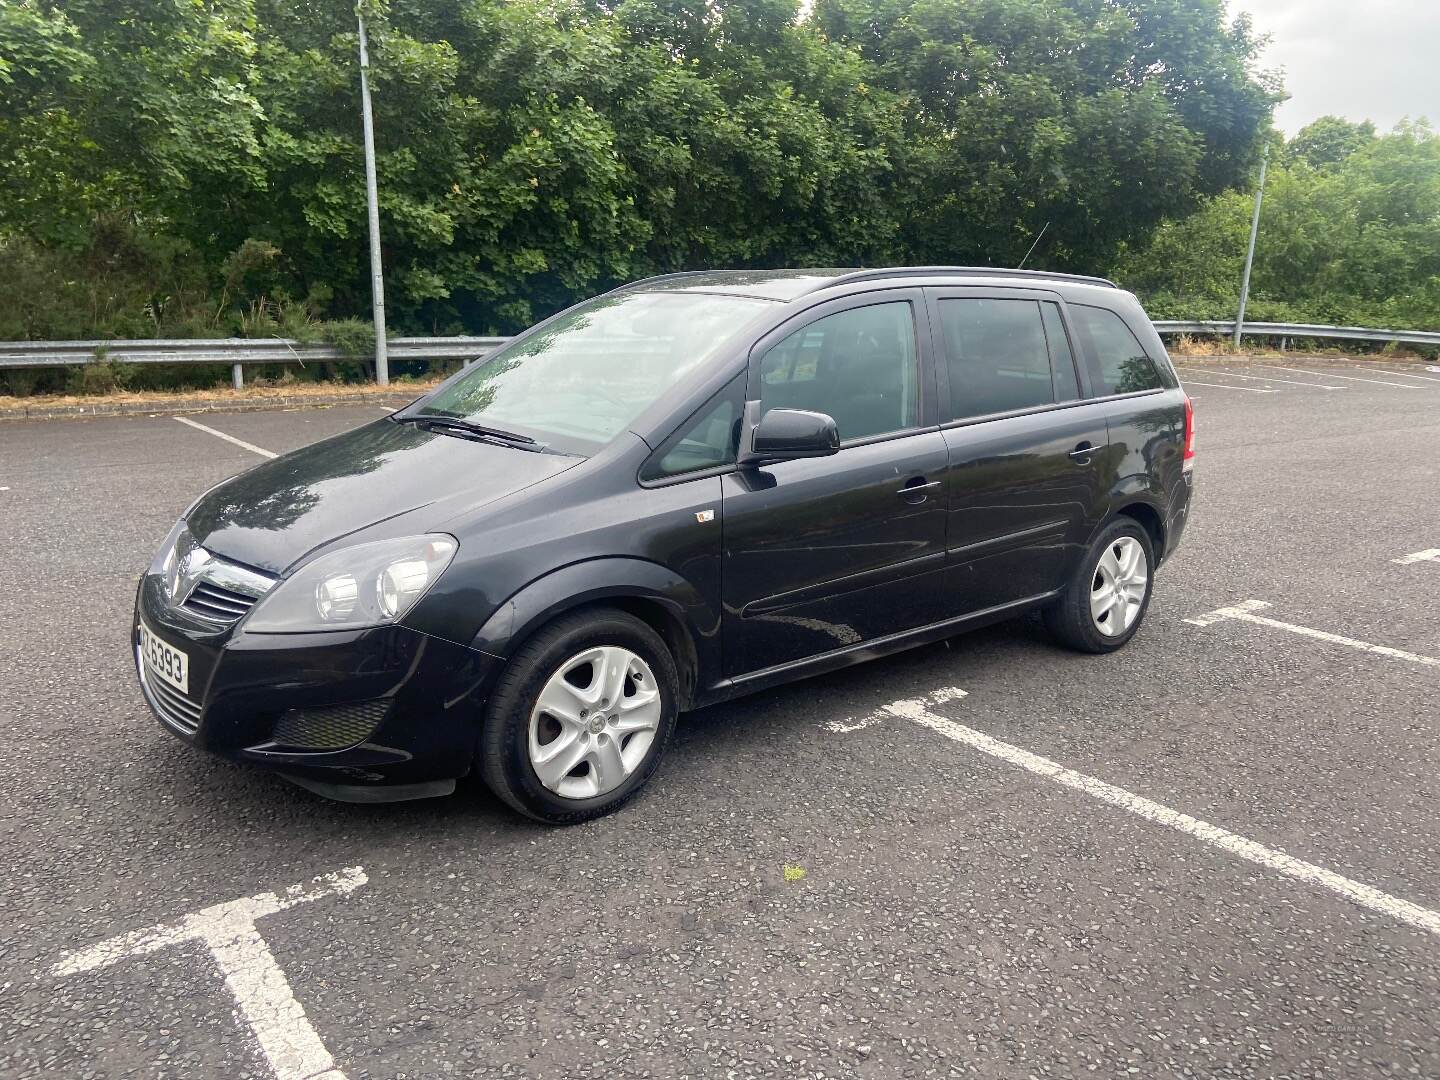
x=594, y=370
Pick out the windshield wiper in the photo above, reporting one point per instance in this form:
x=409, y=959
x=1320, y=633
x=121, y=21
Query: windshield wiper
x=467, y=429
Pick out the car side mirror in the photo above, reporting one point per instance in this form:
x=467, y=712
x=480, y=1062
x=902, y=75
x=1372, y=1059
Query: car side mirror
x=784, y=434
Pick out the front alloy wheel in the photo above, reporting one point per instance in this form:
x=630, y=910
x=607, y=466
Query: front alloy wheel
x=580, y=717
x=594, y=722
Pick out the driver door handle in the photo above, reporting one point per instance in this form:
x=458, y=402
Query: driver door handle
x=915, y=491
x=1081, y=454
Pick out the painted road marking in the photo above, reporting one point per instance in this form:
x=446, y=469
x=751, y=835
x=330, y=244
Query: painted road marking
x=262, y=995
x=1430, y=555
x=1347, y=378
x=1222, y=386
x=1245, y=612
x=228, y=438
x=1287, y=382
x=1270, y=858
x=1402, y=374
x=844, y=727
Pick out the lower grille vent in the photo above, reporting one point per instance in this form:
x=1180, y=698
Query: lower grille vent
x=333, y=728
x=173, y=706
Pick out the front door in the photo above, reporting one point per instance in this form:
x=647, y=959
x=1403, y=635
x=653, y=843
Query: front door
x=826, y=553
x=1029, y=456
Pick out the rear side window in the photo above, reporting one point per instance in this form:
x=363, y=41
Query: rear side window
x=1117, y=361
x=1062, y=360
x=999, y=355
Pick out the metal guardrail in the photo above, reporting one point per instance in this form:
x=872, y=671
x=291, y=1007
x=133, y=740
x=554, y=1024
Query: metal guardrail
x=1301, y=330
x=237, y=352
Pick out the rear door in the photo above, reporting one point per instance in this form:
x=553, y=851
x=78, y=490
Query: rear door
x=1028, y=455
x=826, y=553
x=1144, y=408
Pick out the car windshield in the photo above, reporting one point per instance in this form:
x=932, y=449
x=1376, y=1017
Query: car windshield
x=586, y=376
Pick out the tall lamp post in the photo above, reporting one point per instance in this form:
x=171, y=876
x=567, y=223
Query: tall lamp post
x=377, y=274
x=1250, y=254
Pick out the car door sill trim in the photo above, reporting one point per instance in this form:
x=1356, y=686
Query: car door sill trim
x=792, y=668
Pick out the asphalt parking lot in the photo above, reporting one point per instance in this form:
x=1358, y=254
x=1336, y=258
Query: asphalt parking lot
x=880, y=873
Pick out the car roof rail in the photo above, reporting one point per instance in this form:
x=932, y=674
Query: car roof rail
x=654, y=279
x=968, y=271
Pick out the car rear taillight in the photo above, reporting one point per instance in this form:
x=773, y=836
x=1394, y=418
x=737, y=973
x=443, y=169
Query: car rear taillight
x=1188, y=458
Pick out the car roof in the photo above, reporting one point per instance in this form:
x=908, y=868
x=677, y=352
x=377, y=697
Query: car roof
x=786, y=285
x=768, y=284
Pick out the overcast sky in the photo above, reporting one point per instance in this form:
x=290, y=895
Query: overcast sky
x=1361, y=59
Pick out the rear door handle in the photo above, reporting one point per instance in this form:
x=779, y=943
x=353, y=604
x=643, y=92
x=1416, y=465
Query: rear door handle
x=1081, y=454
x=915, y=491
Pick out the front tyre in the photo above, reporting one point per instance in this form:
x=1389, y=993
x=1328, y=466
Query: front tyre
x=1104, y=604
x=580, y=717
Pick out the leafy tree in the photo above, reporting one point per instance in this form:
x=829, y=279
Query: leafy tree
x=1356, y=240
x=1329, y=141
x=1100, y=117
x=179, y=167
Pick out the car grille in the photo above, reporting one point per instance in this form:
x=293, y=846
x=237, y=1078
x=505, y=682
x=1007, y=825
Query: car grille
x=332, y=728
x=175, y=708
x=213, y=588
x=212, y=601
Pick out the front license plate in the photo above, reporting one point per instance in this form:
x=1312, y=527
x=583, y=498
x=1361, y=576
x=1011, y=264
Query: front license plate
x=164, y=661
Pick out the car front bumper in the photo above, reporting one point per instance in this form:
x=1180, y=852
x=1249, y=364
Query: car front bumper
x=372, y=715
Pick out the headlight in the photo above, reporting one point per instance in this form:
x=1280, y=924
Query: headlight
x=365, y=585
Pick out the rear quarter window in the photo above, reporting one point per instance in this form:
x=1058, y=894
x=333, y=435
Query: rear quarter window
x=1117, y=362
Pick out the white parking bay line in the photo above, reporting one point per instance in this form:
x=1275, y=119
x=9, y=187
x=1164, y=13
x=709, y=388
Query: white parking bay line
x=228, y=438
x=843, y=727
x=1222, y=386
x=1430, y=555
x=265, y=1003
x=1245, y=612
x=1347, y=378
x=1270, y=858
x=1275, y=379
x=1402, y=374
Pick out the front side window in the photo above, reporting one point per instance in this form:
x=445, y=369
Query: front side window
x=999, y=357
x=1118, y=362
x=708, y=440
x=856, y=366
x=583, y=379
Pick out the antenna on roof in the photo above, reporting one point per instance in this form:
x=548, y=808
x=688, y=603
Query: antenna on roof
x=1032, y=246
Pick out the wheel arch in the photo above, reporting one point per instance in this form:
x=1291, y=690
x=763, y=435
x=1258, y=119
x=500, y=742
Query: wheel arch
x=1139, y=497
x=666, y=602
x=1150, y=519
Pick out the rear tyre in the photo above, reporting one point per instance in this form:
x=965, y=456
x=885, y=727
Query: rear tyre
x=1105, y=602
x=580, y=717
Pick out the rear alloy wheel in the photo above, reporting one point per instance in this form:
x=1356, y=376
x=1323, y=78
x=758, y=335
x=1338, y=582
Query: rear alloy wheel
x=1119, y=587
x=1104, y=603
x=580, y=717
